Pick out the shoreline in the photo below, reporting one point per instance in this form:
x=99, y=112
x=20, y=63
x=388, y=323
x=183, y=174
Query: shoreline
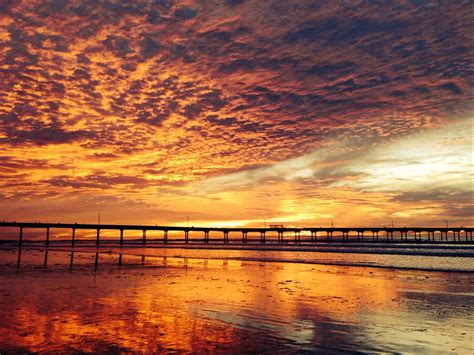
x=360, y=264
x=329, y=247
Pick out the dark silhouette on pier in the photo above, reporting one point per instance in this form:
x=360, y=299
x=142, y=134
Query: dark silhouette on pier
x=284, y=234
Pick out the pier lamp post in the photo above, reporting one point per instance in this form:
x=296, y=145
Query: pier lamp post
x=446, y=221
x=391, y=219
x=332, y=223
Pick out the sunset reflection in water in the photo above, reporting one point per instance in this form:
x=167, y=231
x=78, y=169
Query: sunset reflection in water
x=220, y=305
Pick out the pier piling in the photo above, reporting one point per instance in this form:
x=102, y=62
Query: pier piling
x=244, y=237
x=345, y=236
x=280, y=236
x=20, y=237
x=47, y=236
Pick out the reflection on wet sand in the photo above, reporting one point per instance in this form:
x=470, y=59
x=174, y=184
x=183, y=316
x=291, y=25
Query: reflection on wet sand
x=45, y=265
x=173, y=304
x=18, y=262
x=71, y=259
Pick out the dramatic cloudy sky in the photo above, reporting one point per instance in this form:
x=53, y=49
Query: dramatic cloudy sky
x=232, y=112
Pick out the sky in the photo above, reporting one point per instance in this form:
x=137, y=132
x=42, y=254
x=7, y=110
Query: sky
x=237, y=112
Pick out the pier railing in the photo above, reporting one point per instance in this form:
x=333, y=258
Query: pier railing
x=260, y=235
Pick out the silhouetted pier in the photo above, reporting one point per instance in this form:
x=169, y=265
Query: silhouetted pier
x=259, y=235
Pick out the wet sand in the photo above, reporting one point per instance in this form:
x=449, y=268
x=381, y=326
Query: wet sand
x=165, y=303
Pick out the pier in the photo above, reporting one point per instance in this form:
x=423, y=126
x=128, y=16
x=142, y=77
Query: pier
x=274, y=234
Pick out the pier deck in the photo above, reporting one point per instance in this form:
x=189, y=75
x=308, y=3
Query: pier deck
x=283, y=234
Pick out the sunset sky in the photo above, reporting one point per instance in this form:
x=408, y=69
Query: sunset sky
x=234, y=112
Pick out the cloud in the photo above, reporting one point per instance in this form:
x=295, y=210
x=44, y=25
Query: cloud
x=185, y=13
x=410, y=166
x=99, y=181
x=40, y=134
